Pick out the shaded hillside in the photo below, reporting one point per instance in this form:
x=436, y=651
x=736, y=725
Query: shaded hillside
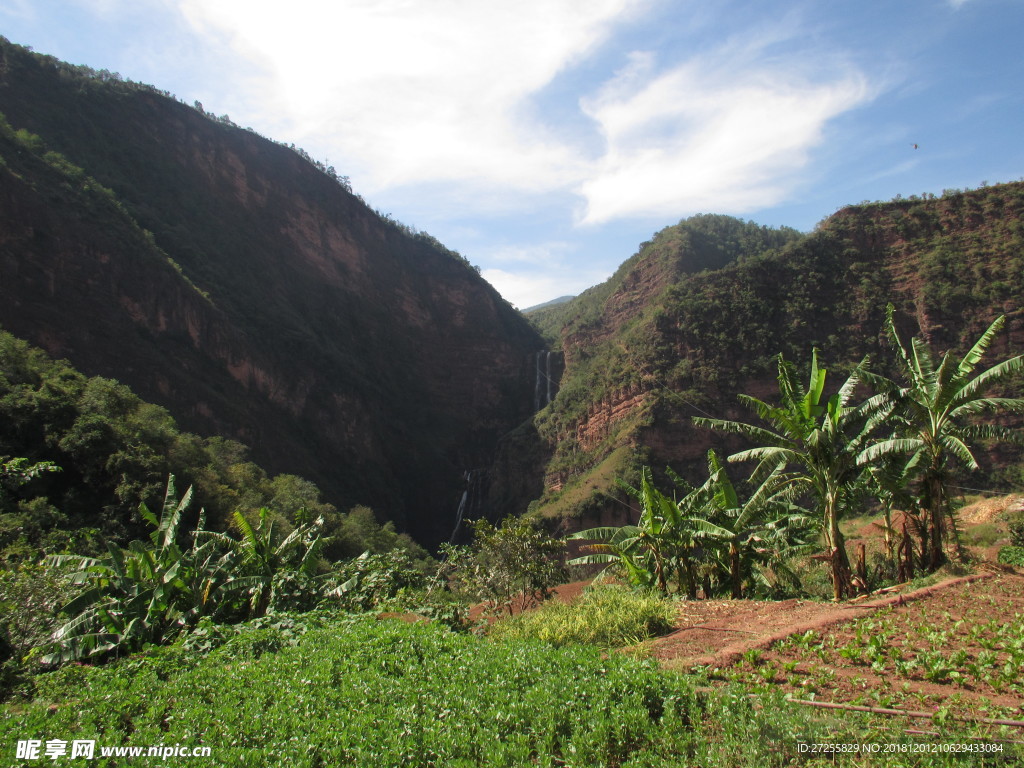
x=246, y=289
x=660, y=342
x=113, y=451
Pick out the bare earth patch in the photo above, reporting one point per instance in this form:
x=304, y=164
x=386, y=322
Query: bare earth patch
x=958, y=645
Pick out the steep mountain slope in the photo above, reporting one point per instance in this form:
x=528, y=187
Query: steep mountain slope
x=245, y=288
x=699, y=314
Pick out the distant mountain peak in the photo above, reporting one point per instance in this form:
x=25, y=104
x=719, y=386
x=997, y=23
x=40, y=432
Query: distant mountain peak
x=552, y=303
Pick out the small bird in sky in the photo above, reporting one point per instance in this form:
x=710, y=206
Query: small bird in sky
x=914, y=146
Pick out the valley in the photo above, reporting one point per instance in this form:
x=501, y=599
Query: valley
x=274, y=463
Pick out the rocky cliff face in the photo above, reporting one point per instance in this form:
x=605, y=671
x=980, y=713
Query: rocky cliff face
x=231, y=280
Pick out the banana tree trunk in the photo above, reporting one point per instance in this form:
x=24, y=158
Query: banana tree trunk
x=737, y=575
x=937, y=517
x=839, y=560
x=659, y=565
x=685, y=577
x=890, y=540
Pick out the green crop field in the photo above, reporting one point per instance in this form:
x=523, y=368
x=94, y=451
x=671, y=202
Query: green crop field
x=322, y=690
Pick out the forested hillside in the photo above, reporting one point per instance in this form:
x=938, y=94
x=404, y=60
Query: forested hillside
x=242, y=286
x=699, y=314
x=78, y=455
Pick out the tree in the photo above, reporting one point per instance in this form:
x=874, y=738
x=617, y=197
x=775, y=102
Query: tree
x=659, y=544
x=18, y=471
x=510, y=567
x=749, y=530
x=824, y=439
x=889, y=481
x=936, y=405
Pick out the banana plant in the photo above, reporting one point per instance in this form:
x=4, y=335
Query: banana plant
x=146, y=593
x=750, y=530
x=658, y=544
x=261, y=557
x=936, y=404
x=824, y=440
x=889, y=480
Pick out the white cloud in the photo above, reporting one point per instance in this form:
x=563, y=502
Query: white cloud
x=534, y=273
x=529, y=288
x=725, y=132
x=440, y=98
x=417, y=91
x=545, y=254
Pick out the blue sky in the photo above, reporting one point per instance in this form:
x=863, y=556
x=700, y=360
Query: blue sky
x=545, y=139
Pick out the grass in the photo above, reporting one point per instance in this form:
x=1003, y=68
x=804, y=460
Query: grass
x=983, y=535
x=610, y=616
x=589, y=488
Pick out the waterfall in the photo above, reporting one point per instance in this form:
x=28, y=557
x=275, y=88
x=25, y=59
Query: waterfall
x=536, y=385
x=542, y=383
x=472, y=500
x=459, y=514
x=547, y=363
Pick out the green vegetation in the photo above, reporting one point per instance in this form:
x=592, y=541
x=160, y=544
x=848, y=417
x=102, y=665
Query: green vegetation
x=754, y=536
x=367, y=692
x=509, y=568
x=975, y=652
x=307, y=359
x=115, y=452
x=607, y=616
x=649, y=552
x=685, y=343
x=825, y=439
x=709, y=535
x=235, y=618
x=827, y=451
x=936, y=404
x=1012, y=556
x=145, y=594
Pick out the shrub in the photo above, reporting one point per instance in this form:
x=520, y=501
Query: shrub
x=510, y=567
x=608, y=616
x=374, y=580
x=983, y=535
x=1017, y=533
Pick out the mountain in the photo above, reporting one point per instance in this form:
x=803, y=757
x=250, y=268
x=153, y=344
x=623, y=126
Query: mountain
x=698, y=315
x=242, y=286
x=553, y=302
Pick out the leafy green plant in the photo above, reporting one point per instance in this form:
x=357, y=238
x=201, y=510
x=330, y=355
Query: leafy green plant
x=1012, y=556
x=765, y=528
x=262, y=558
x=369, y=692
x=935, y=667
x=18, y=471
x=826, y=438
x=510, y=567
x=937, y=404
x=658, y=545
x=147, y=593
x=1016, y=530
x=374, y=581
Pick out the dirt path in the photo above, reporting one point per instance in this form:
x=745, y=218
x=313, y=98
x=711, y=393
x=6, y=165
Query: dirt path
x=958, y=644
x=718, y=632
